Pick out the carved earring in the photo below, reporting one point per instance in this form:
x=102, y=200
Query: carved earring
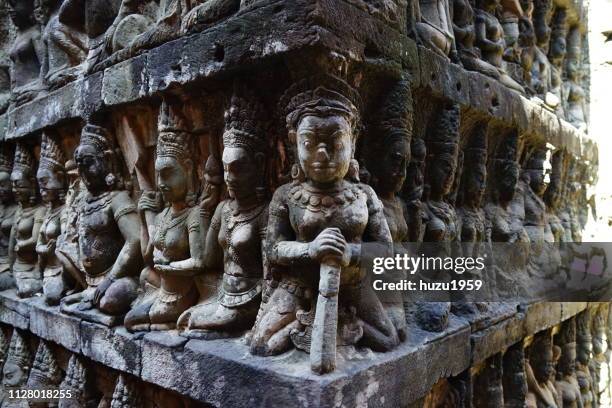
x=297, y=174
x=110, y=179
x=353, y=172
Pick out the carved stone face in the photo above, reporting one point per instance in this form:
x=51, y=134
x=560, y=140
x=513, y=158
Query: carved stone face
x=476, y=179
x=240, y=172
x=394, y=166
x=536, y=181
x=6, y=187
x=172, y=179
x=93, y=167
x=507, y=177
x=23, y=188
x=544, y=365
x=21, y=11
x=51, y=183
x=12, y=375
x=441, y=173
x=42, y=9
x=324, y=146
x=567, y=363
x=557, y=50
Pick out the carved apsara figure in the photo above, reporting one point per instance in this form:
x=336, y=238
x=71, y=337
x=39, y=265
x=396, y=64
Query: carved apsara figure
x=27, y=53
x=388, y=163
x=413, y=186
x=126, y=394
x=514, y=378
x=511, y=13
x=51, y=178
x=45, y=373
x=316, y=227
x=490, y=39
x=175, y=250
x=540, y=371
x=16, y=370
x=234, y=240
x=576, y=110
x=567, y=385
x=556, y=56
x=584, y=353
x=441, y=223
x=8, y=208
x=552, y=199
x=109, y=245
x=76, y=381
x=65, y=48
x=27, y=222
x=534, y=186
x=463, y=27
x=541, y=68
x=434, y=26
x=7, y=36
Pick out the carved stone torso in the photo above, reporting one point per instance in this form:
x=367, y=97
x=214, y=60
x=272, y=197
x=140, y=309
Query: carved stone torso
x=6, y=223
x=25, y=57
x=100, y=239
x=569, y=391
x=51, y=230
x=171, y=239
x=394, y=211
x=435, y=14
x=442, y=222
x=494, y=33
x=241, y=234
x=25, y=219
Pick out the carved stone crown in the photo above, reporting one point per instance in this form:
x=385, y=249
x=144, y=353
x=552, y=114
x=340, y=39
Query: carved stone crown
x=125, y=395
x=244, y=122
x=6, y=158
x=45, y=370
x=24, y=159
x=51, y=155
x=395, y=118
x=536, y=159
x=507, y=148
x=320, y=95
x=18, y=353
x=444, y=138
x=477, y=144
x=96, y=136
x=174, y=139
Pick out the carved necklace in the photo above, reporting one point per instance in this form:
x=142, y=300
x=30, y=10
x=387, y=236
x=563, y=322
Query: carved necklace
x=97, y=203
x=170, y=221
x=233, y=217
x=322, y=201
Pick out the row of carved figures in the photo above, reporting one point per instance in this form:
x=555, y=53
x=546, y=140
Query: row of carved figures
x=287, y=270
x=561, y=367
x=82, y=383
x=528, y=45
x=557, y=368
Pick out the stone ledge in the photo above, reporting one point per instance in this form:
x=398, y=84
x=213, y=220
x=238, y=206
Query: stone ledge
x=212, y=371
x=229, y=48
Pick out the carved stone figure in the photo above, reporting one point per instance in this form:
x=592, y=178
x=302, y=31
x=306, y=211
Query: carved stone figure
x=488, y=386
x=65, y=49
x=576, y=111
x=27, y=52
x=208, y=12
x=540, y=371
x=556, y=56
x=552, y=199
x=503, y=222
x=388, y=163
x=316, y=227
x=51, y=178
x=514, y=378
x=490, y=39
x=598, y=330
x=584, y=353
x=109, y=245
x=541, y=68
x=511, y=13
x=234, y=240
x=434, y=26
x=27, y=222
x=535, y=209
x=440, y=224
x=7, y=36
x=567, y=385
x=175, y=251
x=463, y=27
x=16, y=370
x=8, y=208
x=413, y=185
x=45, y=373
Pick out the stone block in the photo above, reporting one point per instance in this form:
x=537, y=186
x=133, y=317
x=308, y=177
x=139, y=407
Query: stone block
x=48, y=323
x=125, y=82
x=13, y=310
x=115, y=348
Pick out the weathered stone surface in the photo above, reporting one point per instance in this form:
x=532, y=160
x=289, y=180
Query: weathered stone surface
x=48, y=323
x=115, y=348
x=14, y=311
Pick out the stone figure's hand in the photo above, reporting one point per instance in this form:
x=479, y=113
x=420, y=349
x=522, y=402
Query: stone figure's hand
x=149, y=201
x=212, y=194
x=101, y=290
x=51, y=244
x=330, y=244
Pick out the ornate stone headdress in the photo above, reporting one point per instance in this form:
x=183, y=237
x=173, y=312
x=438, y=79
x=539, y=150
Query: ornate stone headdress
x=18, y=353
x=24, y=160
x=174, y=138
x=395, y=117
x=475, y=152
x=76, y=379
x=98, y=137
x=6, y=158
x=51, y=155
x=321, y=95
x=244, y=124
x=536, y=159
x=443, y=141
x=125, y=394
x=45, y=370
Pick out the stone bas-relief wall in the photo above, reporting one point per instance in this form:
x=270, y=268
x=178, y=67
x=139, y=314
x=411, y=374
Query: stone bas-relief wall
x=186, y=187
